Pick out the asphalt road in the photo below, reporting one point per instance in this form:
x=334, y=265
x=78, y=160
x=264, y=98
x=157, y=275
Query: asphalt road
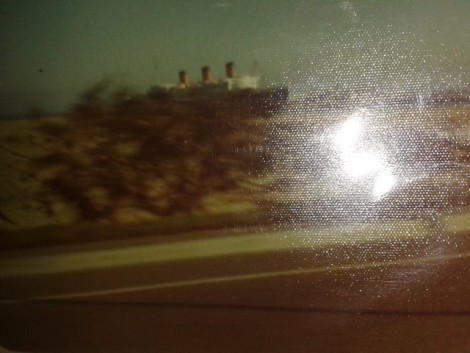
x=391, y=287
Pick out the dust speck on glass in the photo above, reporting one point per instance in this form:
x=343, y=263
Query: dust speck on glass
x=234, y=175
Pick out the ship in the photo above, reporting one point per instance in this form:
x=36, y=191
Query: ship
x=233, y=91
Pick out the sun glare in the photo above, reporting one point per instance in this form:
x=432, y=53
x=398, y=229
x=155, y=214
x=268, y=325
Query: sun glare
x=358, y=162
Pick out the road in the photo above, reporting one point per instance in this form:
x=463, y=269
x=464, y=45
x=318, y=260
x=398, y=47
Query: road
x=388, y=287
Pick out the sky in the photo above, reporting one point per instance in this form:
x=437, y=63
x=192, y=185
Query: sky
x=51, y=50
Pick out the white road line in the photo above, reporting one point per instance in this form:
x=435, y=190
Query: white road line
x=254, y=276
x=213, y=247
x=225, y=246
x=456, y=222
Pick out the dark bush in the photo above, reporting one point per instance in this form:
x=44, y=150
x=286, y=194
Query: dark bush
x=159, y=155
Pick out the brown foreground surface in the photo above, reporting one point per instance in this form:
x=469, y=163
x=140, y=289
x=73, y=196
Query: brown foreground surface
x=317, y=290
x=102, y=328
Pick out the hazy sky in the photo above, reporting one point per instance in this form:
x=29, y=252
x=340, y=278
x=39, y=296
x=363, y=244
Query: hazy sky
x=52, y=50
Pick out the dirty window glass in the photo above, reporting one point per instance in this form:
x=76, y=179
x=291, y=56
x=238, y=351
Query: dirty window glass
x=233, y=175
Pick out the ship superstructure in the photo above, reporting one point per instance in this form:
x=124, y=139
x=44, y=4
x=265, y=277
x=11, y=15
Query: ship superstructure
x=235, y=89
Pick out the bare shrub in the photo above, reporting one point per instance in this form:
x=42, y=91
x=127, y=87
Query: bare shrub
x=124, y=144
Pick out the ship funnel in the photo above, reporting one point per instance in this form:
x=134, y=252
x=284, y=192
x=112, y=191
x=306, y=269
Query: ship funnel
x=183, y=78
x=230, y=69
x=206, y=74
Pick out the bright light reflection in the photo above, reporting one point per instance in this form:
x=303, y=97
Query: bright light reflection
x=358, y=163
x=362, y=164
x=384, y=183
x=348, y=134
